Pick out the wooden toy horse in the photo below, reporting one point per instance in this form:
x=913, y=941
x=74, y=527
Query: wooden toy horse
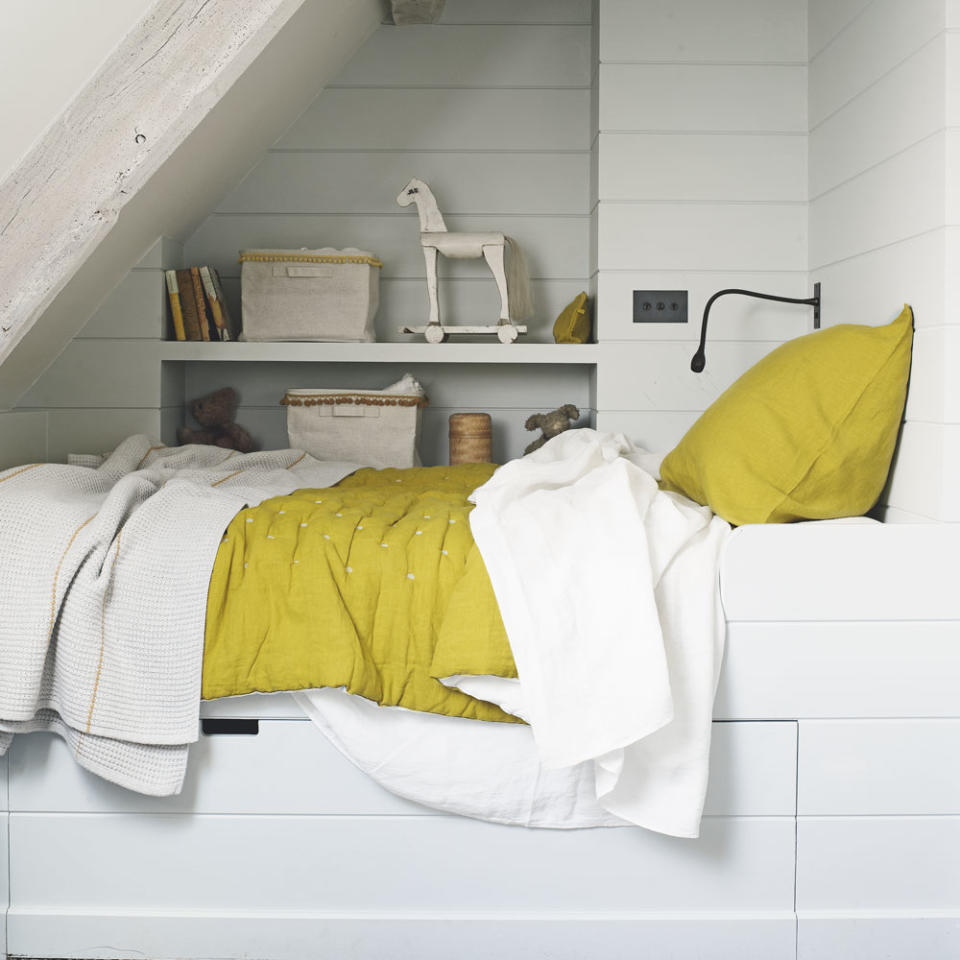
x=510, y=273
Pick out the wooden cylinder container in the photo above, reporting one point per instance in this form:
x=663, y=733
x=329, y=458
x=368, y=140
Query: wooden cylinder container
x=470, y=438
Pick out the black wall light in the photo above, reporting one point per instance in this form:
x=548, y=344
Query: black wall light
x=699, y=360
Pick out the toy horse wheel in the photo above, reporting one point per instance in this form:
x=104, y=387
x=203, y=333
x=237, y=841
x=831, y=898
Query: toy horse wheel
x=507, y=333
x=434, y=333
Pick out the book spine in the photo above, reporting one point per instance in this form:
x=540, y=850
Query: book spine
x=173, y=292
x=214, y=301
x=201, y=303
x=188, y=305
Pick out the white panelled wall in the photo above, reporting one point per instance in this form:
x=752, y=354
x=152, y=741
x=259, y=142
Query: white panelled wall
x=702, y=185
x=677, y=145
x=884, y=176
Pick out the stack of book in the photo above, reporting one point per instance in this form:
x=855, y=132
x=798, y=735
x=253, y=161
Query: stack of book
x=197, y=305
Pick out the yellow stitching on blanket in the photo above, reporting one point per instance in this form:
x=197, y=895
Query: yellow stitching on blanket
x=56, y=576
x=226, y=458
x=16, y=473
x=103, y=635
x=295, y=462
x=229, y=476
x=147, y=454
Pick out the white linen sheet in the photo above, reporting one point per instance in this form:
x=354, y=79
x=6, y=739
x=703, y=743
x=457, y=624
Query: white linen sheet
x=103, y=583
x=609, y=592
x=489, y=771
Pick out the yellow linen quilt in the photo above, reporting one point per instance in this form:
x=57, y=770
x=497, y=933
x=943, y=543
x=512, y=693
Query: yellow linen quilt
x=356, y=586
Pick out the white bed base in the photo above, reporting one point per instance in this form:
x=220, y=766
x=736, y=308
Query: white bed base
x=832, y=827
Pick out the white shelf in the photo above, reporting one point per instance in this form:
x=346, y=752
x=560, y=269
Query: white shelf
x=588, y=353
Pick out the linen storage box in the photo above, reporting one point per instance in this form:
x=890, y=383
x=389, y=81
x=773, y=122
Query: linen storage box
x=377, y=428
x=325, y=294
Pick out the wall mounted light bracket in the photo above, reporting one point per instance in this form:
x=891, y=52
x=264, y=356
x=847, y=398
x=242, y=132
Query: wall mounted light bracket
x=699, y=360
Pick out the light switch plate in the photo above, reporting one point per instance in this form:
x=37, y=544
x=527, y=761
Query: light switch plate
x=659, y=306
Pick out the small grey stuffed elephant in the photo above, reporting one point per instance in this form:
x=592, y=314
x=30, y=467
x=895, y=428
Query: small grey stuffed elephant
x=552, y=423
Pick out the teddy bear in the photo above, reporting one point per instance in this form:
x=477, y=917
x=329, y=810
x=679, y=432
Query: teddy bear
x=215, y=413
x=552, y=423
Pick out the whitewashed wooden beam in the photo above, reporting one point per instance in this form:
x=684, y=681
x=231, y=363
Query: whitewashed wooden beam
x=166, y=77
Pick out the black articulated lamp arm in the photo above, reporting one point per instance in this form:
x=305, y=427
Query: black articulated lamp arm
x=699, y=360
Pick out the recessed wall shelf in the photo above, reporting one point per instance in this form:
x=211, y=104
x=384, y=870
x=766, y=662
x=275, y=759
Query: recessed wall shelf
x=383, y=352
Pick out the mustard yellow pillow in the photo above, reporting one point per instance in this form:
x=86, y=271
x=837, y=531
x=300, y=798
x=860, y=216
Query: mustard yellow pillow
x=573, y=324
x=806, y=434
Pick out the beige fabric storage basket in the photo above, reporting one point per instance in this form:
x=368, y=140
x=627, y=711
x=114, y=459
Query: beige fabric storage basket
x=378, y=428
x=323, y=294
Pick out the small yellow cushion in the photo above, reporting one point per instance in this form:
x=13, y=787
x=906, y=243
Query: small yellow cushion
x=806, y=433
x=573, y=324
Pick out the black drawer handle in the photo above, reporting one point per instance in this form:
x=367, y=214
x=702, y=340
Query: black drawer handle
x=213, y=726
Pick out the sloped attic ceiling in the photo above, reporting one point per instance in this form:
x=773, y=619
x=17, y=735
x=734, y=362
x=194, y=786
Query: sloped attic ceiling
x=175, y=118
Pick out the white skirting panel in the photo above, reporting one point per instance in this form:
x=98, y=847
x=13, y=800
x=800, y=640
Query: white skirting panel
x=510, y=936
x=921, y=935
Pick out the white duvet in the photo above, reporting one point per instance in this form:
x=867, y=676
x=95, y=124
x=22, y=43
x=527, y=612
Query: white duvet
x=609, y=592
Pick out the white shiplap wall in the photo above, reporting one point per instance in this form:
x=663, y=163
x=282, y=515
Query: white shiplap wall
x=884, y=124
x=492, y=108
x=702, y=184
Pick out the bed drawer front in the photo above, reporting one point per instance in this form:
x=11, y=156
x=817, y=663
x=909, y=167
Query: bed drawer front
x=290, y=767
x=879, y=767
x=149, y=862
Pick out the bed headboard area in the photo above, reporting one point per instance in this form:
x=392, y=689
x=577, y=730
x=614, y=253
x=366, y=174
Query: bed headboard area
x=629, y=148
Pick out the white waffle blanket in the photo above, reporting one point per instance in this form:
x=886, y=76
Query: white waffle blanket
x=103, y=587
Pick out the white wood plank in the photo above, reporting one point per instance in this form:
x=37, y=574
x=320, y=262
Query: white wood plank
x=887, y=32
x=827, y=18
x=753, y=770
x=932, y=395
x=895, y=515
x=514, y=55
x=872, y=287
x=290, y=767
x=900, y=198
x=731, y=318
x=740, y=31
x=655, y=375
x=657, y=431
x=839, y=670
x=185, y=934
x=878, y=863
x=23, y=438
x=878, y=767
x=99, y=373
x=702, y=236
x=4, y=797
x=759, y=99
x=923, y=474
x=839, y=570
x=893, y=935
x=556, y=247
x=464, y=183
x=730, y=167
x=396, y=864
x=415, y=351
x=952, y=56
x=509, y=11
x=444, y=118
x=901, y=108
x=91, y=430
x=136, y=307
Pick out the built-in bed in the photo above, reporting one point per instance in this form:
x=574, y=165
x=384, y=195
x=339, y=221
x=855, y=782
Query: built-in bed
x=832, y=823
